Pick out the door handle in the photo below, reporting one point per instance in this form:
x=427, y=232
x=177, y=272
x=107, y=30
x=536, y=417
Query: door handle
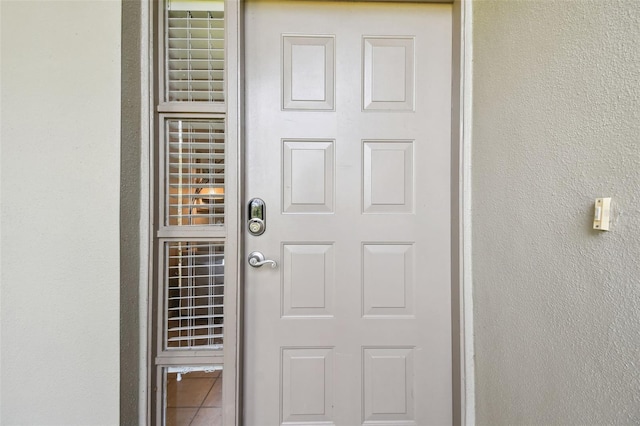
x=256, y=259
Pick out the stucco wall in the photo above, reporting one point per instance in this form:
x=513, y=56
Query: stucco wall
x=556, y=124
x=60, y=181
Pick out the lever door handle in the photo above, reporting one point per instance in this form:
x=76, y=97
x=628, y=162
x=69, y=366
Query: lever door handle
x=256, y=259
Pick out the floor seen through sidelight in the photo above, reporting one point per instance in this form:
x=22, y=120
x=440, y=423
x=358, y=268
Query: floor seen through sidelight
x=194, y=400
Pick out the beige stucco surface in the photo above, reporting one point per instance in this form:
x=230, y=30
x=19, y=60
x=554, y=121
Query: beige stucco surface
x=60, y=185
x=556, y=124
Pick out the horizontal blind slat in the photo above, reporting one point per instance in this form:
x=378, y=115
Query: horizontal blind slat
x=200, y=306
x=202, y=337
x=198, y=297
x=196, y=327
x=195, y=317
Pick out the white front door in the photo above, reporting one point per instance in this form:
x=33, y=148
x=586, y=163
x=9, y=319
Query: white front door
x=348, y=144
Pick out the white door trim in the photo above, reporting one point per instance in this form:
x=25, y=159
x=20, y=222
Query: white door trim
x=461, y=232
x=464, y=401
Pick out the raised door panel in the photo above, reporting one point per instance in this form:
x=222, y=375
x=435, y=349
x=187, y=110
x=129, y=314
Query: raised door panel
x=308, y=72
x=307, y=385
x=388, y=64
x=388, y=394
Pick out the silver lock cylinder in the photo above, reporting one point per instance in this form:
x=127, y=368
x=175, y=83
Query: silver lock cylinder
x=256, y=226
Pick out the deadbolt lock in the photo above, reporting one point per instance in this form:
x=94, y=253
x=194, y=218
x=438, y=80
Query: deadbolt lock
x=257, y=212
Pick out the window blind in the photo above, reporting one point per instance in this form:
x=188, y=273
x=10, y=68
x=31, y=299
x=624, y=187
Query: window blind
x=194, y=171
x=194, y=54
x=194, y=295
x=189, y=246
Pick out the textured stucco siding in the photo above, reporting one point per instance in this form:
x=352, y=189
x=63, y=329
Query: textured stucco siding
x=60, y=180
x=556, y=105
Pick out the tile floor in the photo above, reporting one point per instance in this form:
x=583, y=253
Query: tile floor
x=195, y=400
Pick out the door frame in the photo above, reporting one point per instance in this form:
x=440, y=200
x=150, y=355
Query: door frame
x=136, y=208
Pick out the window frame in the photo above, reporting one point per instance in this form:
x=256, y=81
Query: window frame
x=229, y=233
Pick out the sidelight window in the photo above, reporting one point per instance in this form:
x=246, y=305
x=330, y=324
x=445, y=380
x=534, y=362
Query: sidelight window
x=194, y=172
x=194, y=295
x=194, y=167
x=195, y=53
